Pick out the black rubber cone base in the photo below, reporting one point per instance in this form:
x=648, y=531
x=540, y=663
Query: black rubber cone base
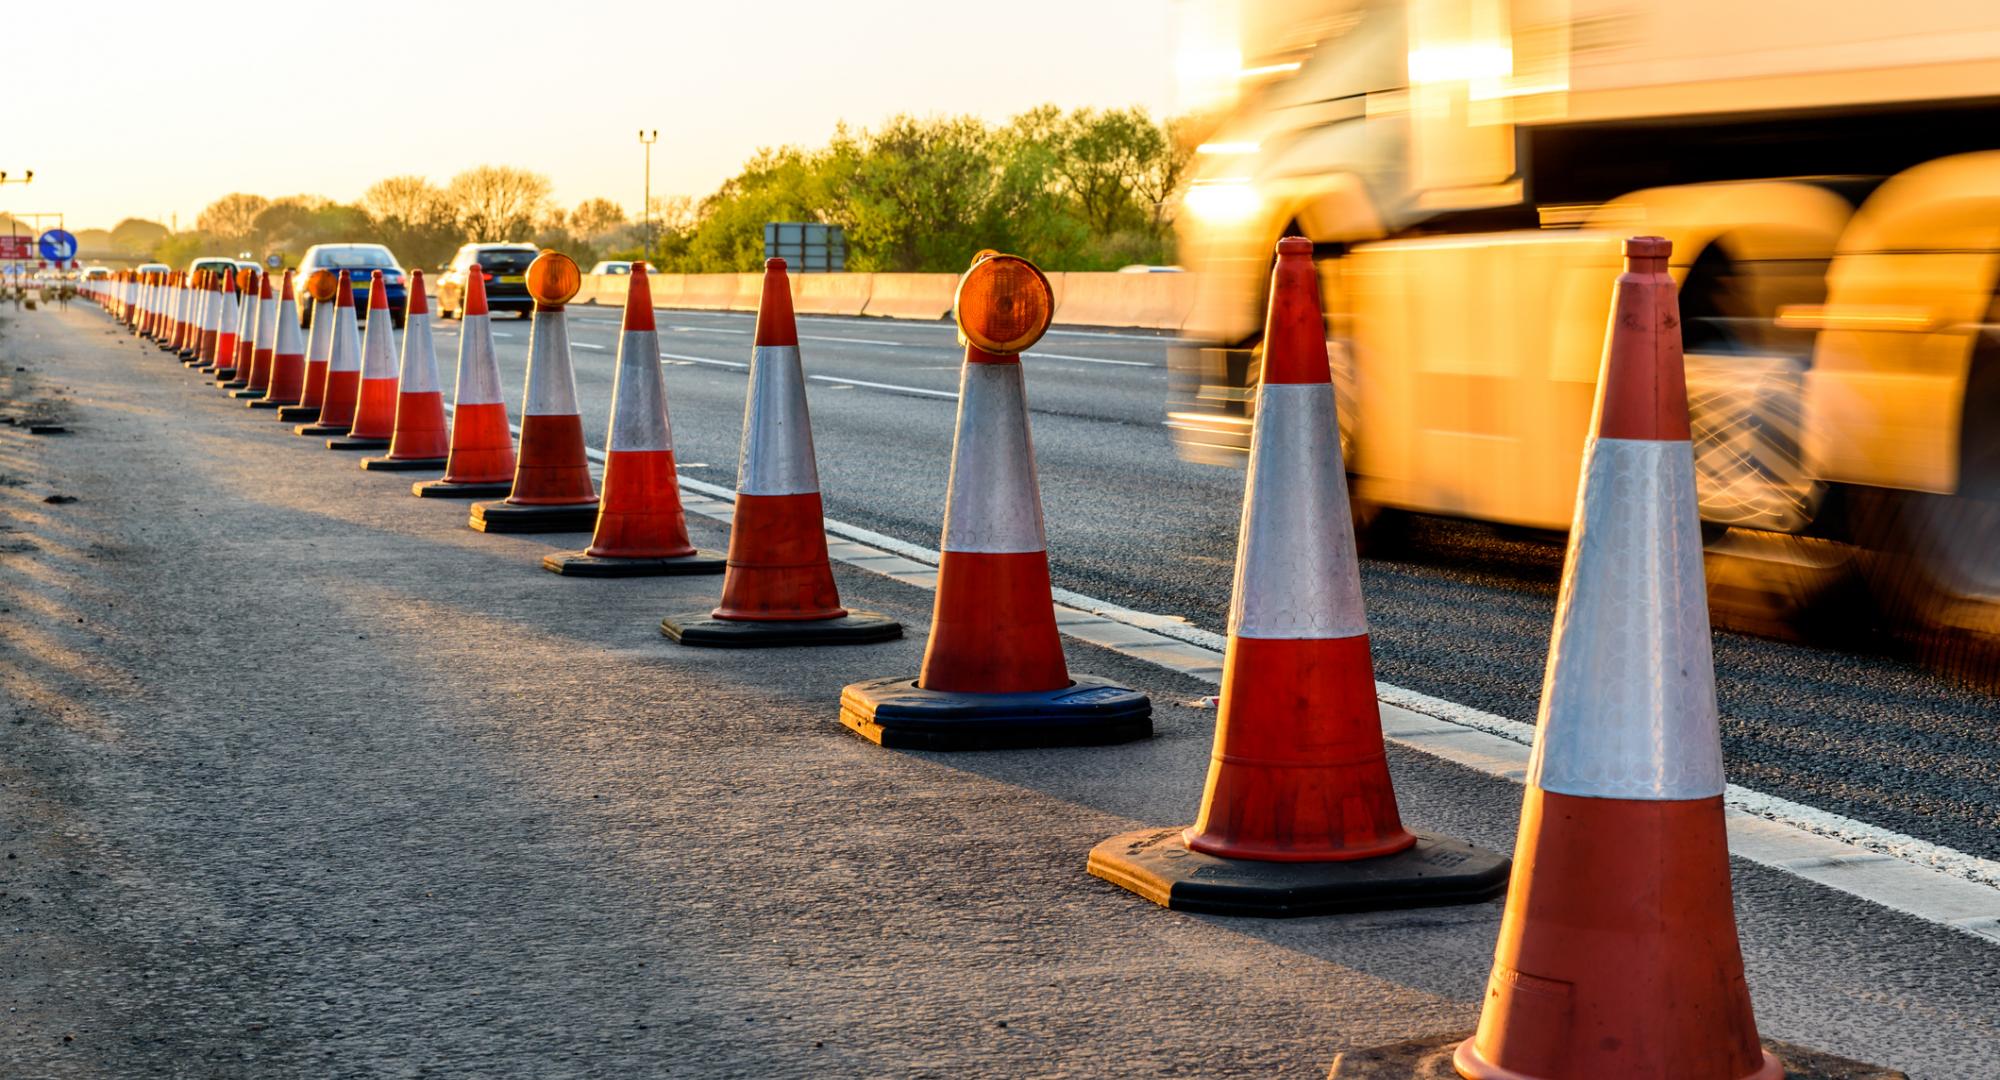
x=448, y=489
x=1430, y=1059
x=1088, y=712
x=235, y=385
x=317, y=428
x=289, y=413
x=224, y=376
x=579, y=564
x=267, y=403
x=246, y=393
x=352, y=443
x=408, y=464
x=506, y=517
x=701, y=628
x=1157, y=865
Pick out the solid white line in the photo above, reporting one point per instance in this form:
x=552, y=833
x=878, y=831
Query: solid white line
x=885, y=386
x=707, y=330
x=1085, y=359
x=588, y=345
x=866, y=341
x=705, y=360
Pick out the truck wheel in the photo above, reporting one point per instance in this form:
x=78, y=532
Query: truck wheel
x=1935, y=570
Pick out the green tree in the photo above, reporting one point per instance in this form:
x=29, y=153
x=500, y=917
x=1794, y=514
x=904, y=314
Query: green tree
x=231, y=220
x=137, y=236
x=415, y=218
x=498, y=202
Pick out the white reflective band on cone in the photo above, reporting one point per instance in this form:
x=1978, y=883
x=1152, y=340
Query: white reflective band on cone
x=777, y=453
x=378, y=349
x=267, y=325
x=246, y=324
x=319, y=345
x=551, y=388
x=639, y=396
x=994, y=505
x=478, y=372
x=287, y=329
x=1296, y=572
x=419, y=373
x=1628, y=707
x=346, y=355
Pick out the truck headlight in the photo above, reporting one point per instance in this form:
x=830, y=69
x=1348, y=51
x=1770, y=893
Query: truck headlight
x=1223, y=202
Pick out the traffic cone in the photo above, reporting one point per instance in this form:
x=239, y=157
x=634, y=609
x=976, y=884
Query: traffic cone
x=779, y=586
x=238, y=375
x=288, y=362
x=993, y=673
x=259, y=379
x=1299, y=815
x=419, y=439
x=170, y=329
x=342, y=389
x=481, y=458
x=207, y=320
x=218, y=355
x=375, y=401
x=320, y=288
x=641, y=529
x=1618, y=953
x=552, y=489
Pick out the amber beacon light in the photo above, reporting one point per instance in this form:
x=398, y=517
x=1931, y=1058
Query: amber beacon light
x=1004, y=303
x=553, y=279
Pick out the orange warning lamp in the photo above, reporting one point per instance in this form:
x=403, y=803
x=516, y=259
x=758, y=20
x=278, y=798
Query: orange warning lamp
x=1004, y=303
x=553, y=279
x=320, y=284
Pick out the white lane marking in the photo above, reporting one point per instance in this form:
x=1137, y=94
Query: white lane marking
x=503, y=336
x=707, y=330
x=705, y=360
x=1932, y=882
x=588, y=345
x=1084, y=359
x=1137, y=335
x=885, y=386
x=866, y=341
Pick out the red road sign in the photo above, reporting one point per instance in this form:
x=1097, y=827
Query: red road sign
x=18, y=247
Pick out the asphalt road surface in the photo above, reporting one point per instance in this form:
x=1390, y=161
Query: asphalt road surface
x=1463, y=614
x=299, y=776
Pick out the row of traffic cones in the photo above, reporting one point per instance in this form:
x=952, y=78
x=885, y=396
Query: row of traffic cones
x=1618, y=953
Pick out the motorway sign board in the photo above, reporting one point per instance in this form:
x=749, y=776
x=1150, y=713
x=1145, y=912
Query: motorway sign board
x=17, y=247
x=58, y=246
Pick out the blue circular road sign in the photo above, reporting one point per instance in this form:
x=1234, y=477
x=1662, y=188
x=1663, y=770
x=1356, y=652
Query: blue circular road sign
x=58, y=246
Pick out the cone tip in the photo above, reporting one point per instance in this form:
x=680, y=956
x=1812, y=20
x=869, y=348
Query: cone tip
x=1643, y=395
x=418, y=303
x=775, y=323
x=774, y=264
x=1294, y=332
x=475, y=290
x=639, y=301
x=378, y=291
x=343, y=291
x=287, y=294
x=1648, y=247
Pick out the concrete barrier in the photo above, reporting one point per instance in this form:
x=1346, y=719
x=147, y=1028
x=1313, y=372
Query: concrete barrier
x=831, y=294
x=669, y=290
x=749, y=292
x=709, y=292
x=911, y=296
x=1149, y=301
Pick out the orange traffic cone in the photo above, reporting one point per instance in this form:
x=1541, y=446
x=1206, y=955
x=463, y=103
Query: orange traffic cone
x=194, y=300
x=552, y=487
x=375, y=401
x=259, y=378
x=481, y=456
x=321, y=287
x=237, y=374
x=419, y=440
x=1618, y=952
x=212, y=327
x=288, y=361
x=641, y=529
x=342, y=385
x=779, y=587
x=217, y=357
x=993, y=673
x=1299, y=816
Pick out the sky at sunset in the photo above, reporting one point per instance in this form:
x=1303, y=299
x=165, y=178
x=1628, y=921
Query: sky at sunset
x=153, y=109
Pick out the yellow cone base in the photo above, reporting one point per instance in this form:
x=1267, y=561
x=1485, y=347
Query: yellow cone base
x=1430, y=1059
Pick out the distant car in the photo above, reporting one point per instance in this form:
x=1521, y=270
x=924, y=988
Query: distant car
x=356, y=262
x=612, y=267
x=96, y=273
x=211, y=263
x=506, y=274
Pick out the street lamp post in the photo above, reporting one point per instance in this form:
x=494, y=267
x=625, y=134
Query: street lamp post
x=647, y=139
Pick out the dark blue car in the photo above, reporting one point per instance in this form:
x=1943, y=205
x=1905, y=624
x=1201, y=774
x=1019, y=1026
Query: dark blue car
x=357, y=262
